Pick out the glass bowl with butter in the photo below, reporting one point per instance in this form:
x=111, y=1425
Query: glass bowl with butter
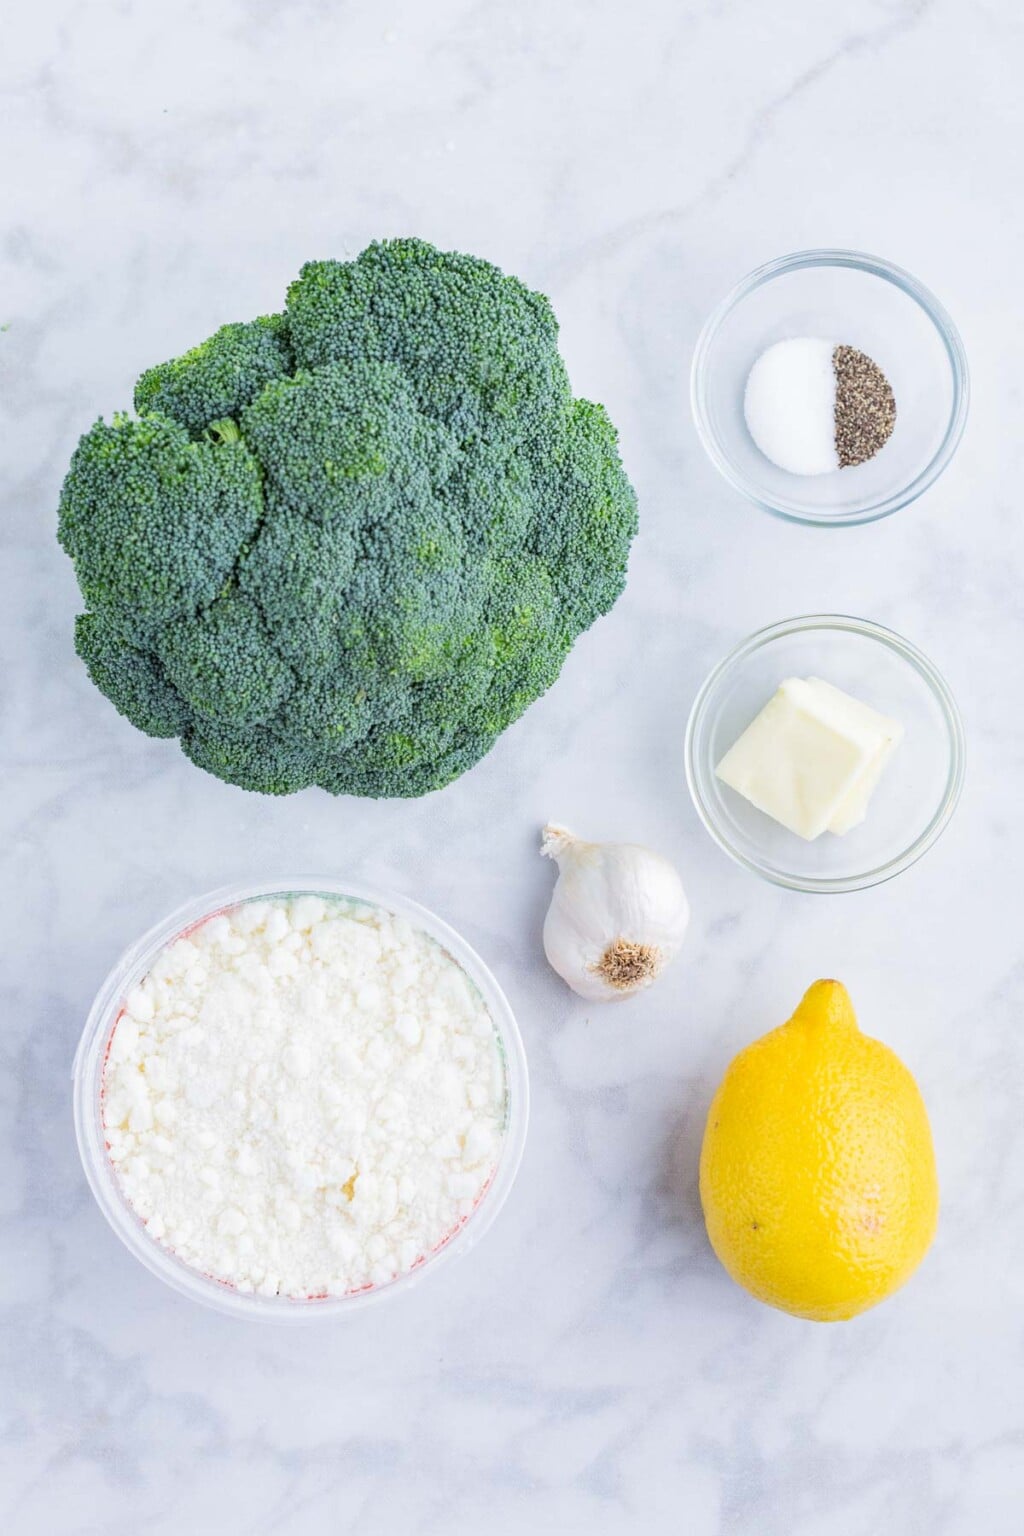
x=825, y=753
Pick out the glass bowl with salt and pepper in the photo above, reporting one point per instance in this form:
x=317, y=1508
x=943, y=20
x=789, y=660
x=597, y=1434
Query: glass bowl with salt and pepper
x=830, y=387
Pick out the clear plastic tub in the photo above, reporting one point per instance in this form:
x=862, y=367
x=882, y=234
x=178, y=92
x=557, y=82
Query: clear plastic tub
x=90, y=1061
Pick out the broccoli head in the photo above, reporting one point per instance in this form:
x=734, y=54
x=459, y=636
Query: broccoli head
x=349, y=544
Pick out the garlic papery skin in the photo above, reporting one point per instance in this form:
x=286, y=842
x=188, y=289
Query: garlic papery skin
x=618, y=915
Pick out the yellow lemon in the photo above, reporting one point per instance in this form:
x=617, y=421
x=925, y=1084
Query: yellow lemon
x=817, y=1173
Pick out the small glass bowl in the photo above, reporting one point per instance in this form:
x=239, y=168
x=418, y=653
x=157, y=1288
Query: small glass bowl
x=852, y=299
x=90, y=1061
x=919, y=789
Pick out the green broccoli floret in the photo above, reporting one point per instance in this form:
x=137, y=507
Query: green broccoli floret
x=213, y=381
x=155, y=522
x=350, y=544
x=136, y=679
x=223, y=664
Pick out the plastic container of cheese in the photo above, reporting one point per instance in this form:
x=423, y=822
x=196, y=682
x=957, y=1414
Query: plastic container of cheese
x=88, y=1085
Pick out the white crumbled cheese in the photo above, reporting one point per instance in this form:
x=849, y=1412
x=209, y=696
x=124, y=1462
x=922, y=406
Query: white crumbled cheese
x=303, y=1097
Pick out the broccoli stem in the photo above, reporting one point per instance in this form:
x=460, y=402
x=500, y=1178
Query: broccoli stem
x=225, y=431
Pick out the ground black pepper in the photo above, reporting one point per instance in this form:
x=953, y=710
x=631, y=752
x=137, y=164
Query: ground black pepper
x=865, y=410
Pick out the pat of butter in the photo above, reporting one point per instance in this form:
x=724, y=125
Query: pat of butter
x=890, y=733
x=812, y=758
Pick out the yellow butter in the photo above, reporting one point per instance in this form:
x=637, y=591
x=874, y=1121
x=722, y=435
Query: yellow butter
x=812, y=758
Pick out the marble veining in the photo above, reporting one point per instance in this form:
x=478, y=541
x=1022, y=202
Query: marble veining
x=589, y=1368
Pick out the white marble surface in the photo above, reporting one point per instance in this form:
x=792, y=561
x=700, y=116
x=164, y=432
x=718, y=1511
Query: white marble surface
x=589, y=1368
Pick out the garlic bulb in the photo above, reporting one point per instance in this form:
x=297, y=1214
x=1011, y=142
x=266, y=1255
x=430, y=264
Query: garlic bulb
x=618, y=915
